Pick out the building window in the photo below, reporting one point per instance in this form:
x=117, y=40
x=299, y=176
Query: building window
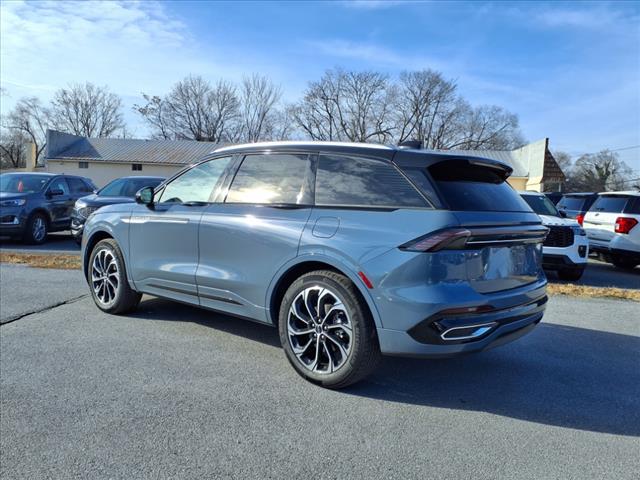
x=83, y=164
x=136, y=167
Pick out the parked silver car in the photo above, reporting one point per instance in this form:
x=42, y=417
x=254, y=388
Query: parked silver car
x=352, y=250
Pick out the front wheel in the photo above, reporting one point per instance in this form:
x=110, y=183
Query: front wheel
x=107, y=279
x=326, y=330
x=36, y=229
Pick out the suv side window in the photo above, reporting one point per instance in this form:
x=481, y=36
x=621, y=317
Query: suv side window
x=273, y=178
x=360, y=182
x=199, y=184
x=78, y=186
x=59, y=183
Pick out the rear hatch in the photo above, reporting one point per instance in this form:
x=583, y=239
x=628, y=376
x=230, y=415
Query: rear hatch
x=600, y=220
x=502, y=243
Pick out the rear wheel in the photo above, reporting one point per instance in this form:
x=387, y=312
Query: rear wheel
x=37, y=229
x=571, y=273
x=623, y=262
x=326, y=330
x=107, y=279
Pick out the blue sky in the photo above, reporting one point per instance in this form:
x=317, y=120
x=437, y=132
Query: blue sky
x=571, y=71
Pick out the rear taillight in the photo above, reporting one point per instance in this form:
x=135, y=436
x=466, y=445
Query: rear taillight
x=448, y=238
x=625, y=224
x=580, y=218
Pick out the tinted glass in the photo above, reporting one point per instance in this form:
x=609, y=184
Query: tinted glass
x=419, y=177
x=353, y=181
x=634, y=206
x=113, y=189
x=273, y=178
x=541, y=205
x=571, y=203
x=77, y=186
x=469, y=187
x=60, y=184
x=16, y=183
x=197, y=184
x=610, y=203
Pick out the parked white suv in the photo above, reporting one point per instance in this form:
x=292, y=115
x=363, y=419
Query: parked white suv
x=612, y=228
x=566, y=248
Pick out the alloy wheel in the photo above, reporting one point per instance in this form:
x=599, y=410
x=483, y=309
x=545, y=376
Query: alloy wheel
x=319, y=329
x=39, y=229
x=105, y=276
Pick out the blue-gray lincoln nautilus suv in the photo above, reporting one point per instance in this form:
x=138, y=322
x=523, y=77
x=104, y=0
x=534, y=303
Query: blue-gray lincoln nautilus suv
x=351, y=250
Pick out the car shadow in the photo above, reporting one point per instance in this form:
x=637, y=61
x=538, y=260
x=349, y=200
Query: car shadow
x=601, y=274
x=557, y=375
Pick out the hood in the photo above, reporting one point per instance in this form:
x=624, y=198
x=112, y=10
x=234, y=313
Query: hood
x=549, y=220
x=101, y=201
x=14, y=196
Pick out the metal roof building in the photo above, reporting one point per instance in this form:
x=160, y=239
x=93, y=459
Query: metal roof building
x=104, y=159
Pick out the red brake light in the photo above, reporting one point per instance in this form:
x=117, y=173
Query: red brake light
x=580, y=218
x=625, y=224
x=437, y=240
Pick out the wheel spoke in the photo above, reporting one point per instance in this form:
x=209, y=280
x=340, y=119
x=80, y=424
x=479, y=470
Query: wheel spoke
x=296, y=331
x=105, y=276
x=343, y=351
x=332, y=365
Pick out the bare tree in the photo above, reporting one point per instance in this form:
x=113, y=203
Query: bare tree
x=258, y=113
x=343, y=105
x=425, y=104
x=30, y=119
x=88, y=110
x=12, y=148
x=487, y=127
x=600, y=172
x=193, y=110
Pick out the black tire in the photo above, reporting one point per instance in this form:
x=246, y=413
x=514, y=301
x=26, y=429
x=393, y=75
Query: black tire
x=571, y=274
x=364, y=352
x=124, y=299
x=623, y=262
x=33, y=233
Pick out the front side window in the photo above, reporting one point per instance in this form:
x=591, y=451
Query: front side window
x=60, y=184
x=197, y=184
x=360, y=182
x=113, y=189
x=273, y=178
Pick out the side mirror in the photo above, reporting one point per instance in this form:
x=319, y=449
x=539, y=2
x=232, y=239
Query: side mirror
x=144, y=196
x=563, y=214
x=55, y=192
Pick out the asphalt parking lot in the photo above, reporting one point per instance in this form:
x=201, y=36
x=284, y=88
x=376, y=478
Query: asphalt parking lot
x=177, y=392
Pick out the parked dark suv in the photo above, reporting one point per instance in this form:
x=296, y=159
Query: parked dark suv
x=34, y=204
x=120, y=190
x=576, y=205
x=352, y=250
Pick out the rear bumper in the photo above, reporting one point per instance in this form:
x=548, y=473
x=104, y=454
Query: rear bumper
x=615, y=251
x=445, y=334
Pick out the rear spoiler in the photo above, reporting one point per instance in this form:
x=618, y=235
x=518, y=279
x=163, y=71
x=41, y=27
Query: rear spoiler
x=419, y=159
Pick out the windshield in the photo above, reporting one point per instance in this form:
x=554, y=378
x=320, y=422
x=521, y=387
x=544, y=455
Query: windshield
x=571, y=203
x=16, y=183
x=541, y=205
x=127, y=187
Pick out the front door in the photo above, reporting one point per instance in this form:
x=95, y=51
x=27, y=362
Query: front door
x=60, y=204
x=163, y=238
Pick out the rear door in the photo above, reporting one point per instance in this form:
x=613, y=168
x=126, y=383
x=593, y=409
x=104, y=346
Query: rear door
x=246, y=239
x=600, y=220
x=163, y=239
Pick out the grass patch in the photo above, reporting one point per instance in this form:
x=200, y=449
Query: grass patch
x=64, y=262
x=586, y=291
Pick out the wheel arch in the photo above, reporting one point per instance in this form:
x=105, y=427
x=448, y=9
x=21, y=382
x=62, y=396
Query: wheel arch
x=293, y=270
x=95, y=237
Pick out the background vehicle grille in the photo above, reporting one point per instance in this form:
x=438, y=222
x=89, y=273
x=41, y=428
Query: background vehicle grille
x=86, y=211
x=559, y=237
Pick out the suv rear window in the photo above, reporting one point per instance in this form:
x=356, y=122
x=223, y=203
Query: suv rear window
x=361, y=182
x=610, y=203
x=571, y=203
x=468, y=187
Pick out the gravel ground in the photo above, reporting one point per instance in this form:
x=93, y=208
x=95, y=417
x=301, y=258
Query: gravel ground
x=177, y=392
